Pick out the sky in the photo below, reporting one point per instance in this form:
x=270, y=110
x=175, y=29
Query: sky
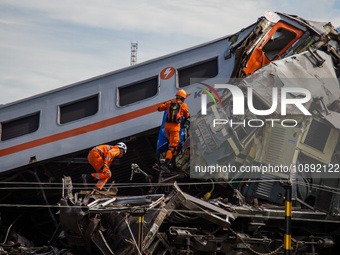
x=46, y=44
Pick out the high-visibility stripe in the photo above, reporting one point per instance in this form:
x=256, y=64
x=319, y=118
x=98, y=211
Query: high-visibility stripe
x=288, y=208
x=100, y=151
x=80, y=130
x=288, y=220
x=103, y=167
x=287, y=242
x=114, y=152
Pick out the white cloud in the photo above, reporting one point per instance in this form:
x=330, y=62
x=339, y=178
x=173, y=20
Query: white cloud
x=48, y=44
x=190, y=17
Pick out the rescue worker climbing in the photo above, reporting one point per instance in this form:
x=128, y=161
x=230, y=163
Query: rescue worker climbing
x=176, y=109
x=100, y=157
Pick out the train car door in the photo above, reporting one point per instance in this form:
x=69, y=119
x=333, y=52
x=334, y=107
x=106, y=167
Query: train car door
x=273, y=45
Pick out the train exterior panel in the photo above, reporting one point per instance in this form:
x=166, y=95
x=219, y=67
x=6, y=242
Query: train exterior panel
x=104, y=108
x=251, y=212
x=124, y=102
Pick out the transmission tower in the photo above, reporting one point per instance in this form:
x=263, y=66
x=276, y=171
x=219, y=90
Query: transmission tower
x=134, y=47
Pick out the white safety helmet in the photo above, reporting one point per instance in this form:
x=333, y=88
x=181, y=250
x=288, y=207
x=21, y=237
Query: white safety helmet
x=122, y=146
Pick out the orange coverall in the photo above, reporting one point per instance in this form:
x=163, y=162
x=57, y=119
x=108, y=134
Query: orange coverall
x=172, y=129
x=100, y=158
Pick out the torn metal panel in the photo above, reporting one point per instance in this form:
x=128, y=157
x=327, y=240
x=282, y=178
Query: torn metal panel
x=300, y=71
x=315, y=26
x=206, y=210
x=270, y=212
x=154, y=228
x=71, y=218
x=172, y=201
x=80, y=229
x=128, y=204
x=333, y=118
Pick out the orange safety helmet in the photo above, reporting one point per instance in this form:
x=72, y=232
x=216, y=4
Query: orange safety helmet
x=181, y=93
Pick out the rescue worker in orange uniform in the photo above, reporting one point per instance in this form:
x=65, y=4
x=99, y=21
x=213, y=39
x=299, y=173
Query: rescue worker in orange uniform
x=176, y=109
x=100, y=157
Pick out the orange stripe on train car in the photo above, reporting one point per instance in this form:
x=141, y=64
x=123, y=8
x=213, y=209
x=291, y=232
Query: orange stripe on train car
x=80, y=130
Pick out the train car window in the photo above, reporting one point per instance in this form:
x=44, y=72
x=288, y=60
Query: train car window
x=78, y=109
x=198, y=72
x=138, y=91
x=19, y=127
x=279, y=40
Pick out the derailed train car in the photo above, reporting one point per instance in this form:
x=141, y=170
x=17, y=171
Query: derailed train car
x=203, y=207
x=241, y=164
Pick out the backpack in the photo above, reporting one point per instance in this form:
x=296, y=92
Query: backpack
x=174, y=113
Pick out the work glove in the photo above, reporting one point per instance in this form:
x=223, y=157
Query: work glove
x=186, y=123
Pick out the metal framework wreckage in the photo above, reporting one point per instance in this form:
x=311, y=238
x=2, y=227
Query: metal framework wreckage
x=242, y=213
x=180, y=223
x=233, y=221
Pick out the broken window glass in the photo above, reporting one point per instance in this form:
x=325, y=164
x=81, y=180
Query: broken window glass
x=279, y=40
